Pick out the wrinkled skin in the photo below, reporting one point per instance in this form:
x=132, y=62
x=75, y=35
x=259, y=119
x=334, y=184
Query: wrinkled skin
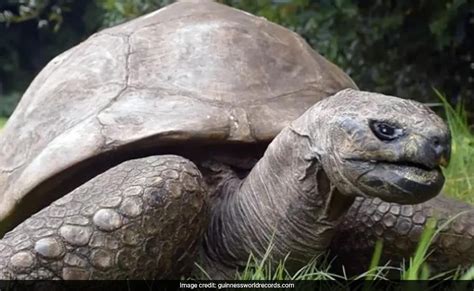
x=297, y=194
x=403, y=167
x=294, y=197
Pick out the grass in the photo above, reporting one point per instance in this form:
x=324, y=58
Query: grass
x=2, y=122
x=460, y=173
x=319, y=268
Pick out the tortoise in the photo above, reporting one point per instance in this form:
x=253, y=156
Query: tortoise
x=200, y=131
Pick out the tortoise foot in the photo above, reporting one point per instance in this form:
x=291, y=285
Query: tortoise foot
x=140, y=220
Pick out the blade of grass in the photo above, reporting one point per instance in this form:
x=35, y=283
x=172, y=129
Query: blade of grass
x=374, y=262
x=375, y=259
x=416, y=262
x=469, y=275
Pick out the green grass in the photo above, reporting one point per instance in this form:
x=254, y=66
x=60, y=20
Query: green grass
x=319, y=268
x=460, y=173
x=2, y=122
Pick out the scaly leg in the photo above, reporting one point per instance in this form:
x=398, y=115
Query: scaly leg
x=140, y=220
x=400, y=227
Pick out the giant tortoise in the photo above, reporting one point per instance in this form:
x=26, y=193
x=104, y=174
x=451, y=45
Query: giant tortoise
x=203, y=132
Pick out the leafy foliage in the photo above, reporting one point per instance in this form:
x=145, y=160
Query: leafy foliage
x=33, y=32
x=402, y=48
x=118, y=11
x=396, y=47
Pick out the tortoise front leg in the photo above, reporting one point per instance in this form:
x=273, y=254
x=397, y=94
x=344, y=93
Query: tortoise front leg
x=400, y=227
x=140, y=220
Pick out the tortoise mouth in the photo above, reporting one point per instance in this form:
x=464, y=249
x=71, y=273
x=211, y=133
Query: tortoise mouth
x=406, y=165
x=401, y=182
x=395, y=164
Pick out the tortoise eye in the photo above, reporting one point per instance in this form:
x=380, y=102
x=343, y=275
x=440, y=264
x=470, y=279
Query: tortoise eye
x=385, y=131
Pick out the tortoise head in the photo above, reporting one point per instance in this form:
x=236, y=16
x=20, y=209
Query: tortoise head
x=382, y=146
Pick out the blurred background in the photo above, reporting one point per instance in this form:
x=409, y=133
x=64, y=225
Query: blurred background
x=404, y=48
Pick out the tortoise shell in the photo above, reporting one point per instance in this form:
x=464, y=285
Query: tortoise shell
x=194, y=72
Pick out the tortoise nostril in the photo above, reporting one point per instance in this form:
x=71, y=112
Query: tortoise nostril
x=438, y=147
x=441, y=150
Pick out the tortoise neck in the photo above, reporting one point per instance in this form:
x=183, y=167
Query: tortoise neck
x=286, y=202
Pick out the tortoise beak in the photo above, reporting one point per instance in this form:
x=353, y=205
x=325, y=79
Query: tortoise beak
x=436, y=151
x=443, y=161
x=442, y=151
